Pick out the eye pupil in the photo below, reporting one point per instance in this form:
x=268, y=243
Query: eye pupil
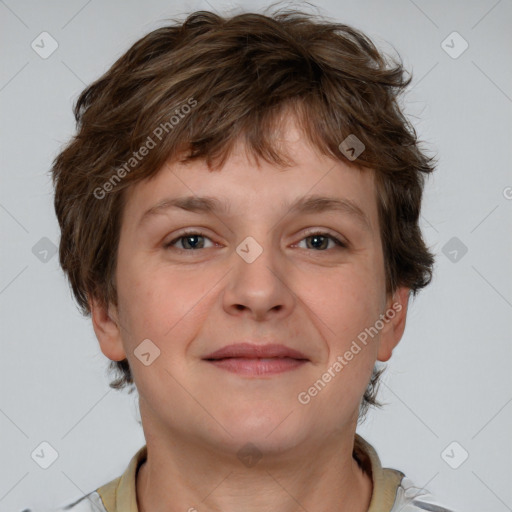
x=189, y=237
x=315, y=238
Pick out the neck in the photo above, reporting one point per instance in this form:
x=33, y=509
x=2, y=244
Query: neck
x=182, y=476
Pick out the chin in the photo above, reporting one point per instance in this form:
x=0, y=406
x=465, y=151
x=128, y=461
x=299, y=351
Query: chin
x=265, y=427
x=246, y=441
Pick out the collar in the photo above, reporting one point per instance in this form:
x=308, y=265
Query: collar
x=385, y=480
x=119, y=495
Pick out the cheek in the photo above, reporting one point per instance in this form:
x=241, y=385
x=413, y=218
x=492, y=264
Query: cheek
x=344, y=313
x=347, y=301
x=157, y=302
x=351, y=345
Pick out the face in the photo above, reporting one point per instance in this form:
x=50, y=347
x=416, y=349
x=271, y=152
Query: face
x=256, y=270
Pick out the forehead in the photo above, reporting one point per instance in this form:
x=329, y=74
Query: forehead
x=254, y=187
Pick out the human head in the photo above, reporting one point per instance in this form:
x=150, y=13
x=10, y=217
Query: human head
x=194, y=89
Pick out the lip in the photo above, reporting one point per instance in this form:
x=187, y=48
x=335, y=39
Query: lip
x=253, y=351
x=251, y=359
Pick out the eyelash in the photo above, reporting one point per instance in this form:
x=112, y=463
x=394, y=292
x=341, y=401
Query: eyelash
x=339, y=243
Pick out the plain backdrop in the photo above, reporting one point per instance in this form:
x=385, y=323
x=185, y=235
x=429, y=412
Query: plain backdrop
x=448, y=389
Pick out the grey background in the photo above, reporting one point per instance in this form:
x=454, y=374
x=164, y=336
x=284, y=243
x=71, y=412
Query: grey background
x=449, y=379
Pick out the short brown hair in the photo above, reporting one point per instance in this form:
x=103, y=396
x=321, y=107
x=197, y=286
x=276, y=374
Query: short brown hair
x=237, y=75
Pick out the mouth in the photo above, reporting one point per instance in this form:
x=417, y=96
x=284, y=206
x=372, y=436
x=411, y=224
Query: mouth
x=255, y=360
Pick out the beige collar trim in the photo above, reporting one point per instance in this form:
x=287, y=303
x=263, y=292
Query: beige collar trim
x=385, y=480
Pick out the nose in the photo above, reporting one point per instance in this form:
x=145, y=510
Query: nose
x=258, y=288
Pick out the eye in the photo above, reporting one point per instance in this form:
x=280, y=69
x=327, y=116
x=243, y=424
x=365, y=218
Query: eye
x=194, y=240
x=191, y=240
x=319, y=238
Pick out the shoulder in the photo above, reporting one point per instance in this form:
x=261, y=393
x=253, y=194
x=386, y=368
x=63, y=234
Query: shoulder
x=411, y=498
x=392, y=490
x=106, y=497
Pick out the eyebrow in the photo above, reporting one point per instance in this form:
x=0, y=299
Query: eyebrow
x=303, y=205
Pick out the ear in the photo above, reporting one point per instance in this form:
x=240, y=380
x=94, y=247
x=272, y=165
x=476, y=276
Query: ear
x=394, y=322
x=107, y=328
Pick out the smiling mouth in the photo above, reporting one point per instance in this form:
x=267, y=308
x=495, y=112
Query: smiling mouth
x=256, y=366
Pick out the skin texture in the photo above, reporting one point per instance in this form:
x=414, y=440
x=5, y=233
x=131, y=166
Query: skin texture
x=196, y=417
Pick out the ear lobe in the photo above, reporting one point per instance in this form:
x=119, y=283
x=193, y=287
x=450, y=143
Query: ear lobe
x=106, y=327
x=395, y=317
